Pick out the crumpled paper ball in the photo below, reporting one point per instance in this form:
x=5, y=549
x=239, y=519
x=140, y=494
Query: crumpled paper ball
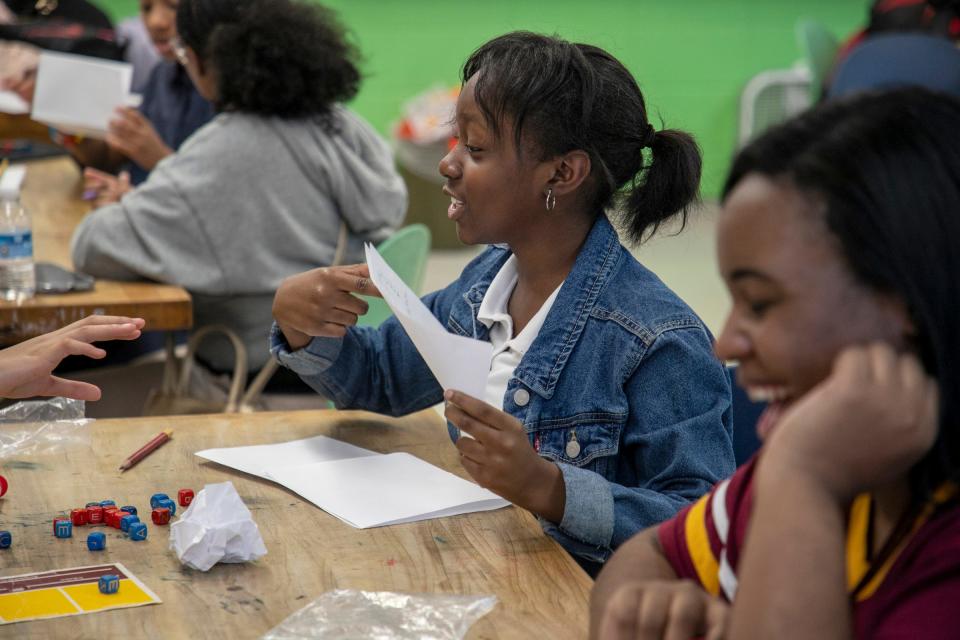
x=216, y=527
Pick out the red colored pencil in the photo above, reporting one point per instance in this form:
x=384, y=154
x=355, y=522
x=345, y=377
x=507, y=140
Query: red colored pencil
x=146, y=449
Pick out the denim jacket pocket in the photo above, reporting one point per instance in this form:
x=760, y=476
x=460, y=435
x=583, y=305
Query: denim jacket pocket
x=588, y=445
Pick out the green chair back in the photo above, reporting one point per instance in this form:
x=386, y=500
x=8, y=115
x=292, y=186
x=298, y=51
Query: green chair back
x=819, y=48
x=406, y=252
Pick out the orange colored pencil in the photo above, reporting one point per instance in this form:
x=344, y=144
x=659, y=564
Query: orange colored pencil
x=146, y=449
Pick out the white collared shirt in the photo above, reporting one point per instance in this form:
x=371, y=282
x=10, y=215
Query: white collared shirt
x=507, y=350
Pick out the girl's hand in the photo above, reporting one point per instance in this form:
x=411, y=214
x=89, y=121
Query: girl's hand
x=321, y=303
x=22, y=84
x=131, y=134
x=500, y=458
x=26, y=369
x=103, y=188
x=872, y=419
x=667, y=609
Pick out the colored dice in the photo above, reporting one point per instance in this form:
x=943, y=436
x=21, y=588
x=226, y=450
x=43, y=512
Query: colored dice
x=160, y=515
x=126, y=521
x=156, y=498
x=111, y=517
x=185, y=497
x=5, y=539
x=96, y=541
x=92, y=504
x=95, y=514
x=109, y=583
x=78, y=517
x=129, y=509
x=108, y=503
x=168, y=504
x=62, y=528
x=137, y=531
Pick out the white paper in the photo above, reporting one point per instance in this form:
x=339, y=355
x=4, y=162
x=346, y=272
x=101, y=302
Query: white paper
x=457, y=362
x=78, y=94
x=258, y=459
x=384, y=490
x=216, y=527
x=13, y=104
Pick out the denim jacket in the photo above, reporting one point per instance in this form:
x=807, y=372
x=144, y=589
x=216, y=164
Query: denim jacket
x=621, y=366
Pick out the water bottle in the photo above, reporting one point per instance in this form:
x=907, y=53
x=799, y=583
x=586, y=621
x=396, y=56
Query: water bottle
x=17, y=277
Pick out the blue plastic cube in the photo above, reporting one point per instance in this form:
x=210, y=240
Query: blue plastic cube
x=129, y=509
x=156, y=498
x=109, y=583
x=167, y=504
x=5, y=539
x=126, y=521
x=108, y=503
x=64, y=529
x=96, y=541
x=137, y=531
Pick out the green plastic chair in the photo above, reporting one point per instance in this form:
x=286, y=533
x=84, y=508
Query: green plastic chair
x=819, y=48
x=406, y=252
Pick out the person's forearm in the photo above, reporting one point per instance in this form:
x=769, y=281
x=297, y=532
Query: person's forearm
x=792, y=576
x=637, y=560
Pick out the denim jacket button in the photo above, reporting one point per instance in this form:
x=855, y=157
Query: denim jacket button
x=521, y=397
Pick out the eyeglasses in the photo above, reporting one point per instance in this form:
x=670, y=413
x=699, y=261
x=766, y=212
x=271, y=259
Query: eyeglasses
x=179, y=50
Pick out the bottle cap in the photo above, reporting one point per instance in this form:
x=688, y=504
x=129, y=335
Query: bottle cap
x=11, y=181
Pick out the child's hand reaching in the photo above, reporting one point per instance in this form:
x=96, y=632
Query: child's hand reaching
x=872, y=419
x=130, y=133
x=26, y=369
x=500, y=458
x=321, y=302
x=103, y=188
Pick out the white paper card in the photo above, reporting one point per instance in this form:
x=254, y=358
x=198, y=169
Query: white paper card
x=384, y=490
x=13, y=104
x=258, y=459
x=457, y=362
x=78, y=94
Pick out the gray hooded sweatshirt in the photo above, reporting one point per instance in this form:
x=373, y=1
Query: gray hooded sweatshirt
x=246, y=202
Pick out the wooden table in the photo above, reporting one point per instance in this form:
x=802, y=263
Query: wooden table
x=51, y=193
x=542, y=592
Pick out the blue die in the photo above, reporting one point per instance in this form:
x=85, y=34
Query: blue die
x=128, y=509
x=63, y=529
x=126, y=521
x=137, y=531
x=156, y=498
x=108, y=503
x=109, y=583
x=5, y=539
x=92, y=504
x=167, y=504
x=96, y=541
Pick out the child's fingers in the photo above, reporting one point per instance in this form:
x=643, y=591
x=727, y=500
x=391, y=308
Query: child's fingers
x=467, y=423
x=476, y=408
x=73, y=389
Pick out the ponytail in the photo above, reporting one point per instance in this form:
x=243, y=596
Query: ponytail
x=665, y=188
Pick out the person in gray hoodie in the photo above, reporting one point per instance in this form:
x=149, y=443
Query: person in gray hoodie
x=262, y=191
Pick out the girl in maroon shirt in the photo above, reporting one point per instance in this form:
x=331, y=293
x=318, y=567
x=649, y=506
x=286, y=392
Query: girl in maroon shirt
x=838, y=243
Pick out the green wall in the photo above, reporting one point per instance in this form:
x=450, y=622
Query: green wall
x=691, y=57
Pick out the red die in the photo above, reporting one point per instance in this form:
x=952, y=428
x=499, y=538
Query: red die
x=185, y=497
x=160, y=515
x=78, y=517
x=95, y=515
x=56, y=520
x=113, y=516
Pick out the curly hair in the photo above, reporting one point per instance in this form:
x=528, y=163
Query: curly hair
x=272, y=57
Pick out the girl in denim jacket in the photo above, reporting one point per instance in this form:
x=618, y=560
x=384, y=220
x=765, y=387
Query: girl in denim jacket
x=606, y=410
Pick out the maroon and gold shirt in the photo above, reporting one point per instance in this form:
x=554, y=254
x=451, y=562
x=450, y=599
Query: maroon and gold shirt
x=915, y=594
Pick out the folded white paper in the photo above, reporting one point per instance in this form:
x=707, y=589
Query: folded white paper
x=456, y=361
x=384, y=490
x=258, y=459
x=216, y=527
x=13, y=104
x=78, y=94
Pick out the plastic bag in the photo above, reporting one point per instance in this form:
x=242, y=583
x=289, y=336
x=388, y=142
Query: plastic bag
x=49, y=426
x=348, y=614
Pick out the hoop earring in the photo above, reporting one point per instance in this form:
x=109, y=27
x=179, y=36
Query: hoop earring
x=551, y=199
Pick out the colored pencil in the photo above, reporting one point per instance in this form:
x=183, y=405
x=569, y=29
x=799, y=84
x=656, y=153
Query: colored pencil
x=146, y=449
